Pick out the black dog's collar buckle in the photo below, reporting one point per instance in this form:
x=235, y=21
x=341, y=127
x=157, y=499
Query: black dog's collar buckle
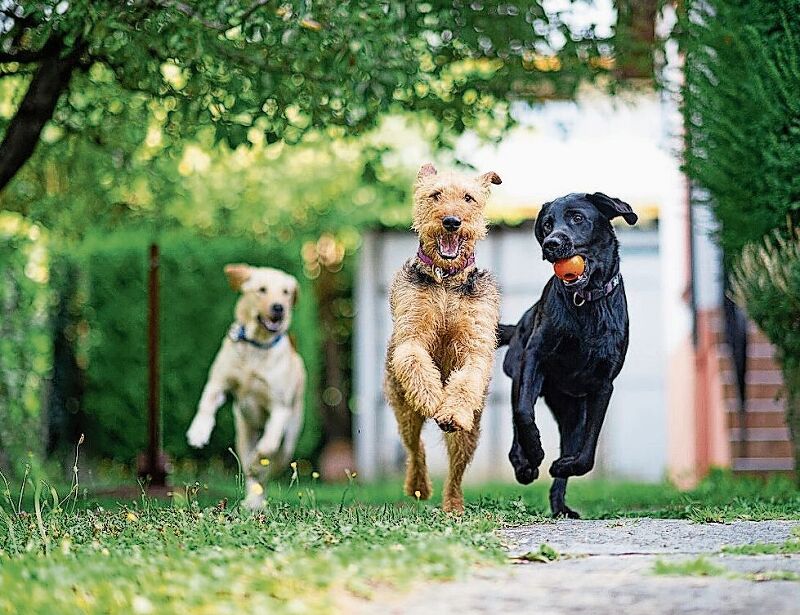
x=581, y=296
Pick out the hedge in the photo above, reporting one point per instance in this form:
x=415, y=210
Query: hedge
x=742, y=114
x=24, y=340
x=196, y=312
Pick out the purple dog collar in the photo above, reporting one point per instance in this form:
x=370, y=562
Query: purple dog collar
x=582, y=296
x=444, y=273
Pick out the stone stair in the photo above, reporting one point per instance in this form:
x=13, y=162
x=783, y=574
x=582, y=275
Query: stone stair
x=765, y=447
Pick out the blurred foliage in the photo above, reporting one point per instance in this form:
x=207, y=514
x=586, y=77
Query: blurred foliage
x=742, y=113
x=767, y=281
x=288, y=67
x=25, y=349
x=110, y=337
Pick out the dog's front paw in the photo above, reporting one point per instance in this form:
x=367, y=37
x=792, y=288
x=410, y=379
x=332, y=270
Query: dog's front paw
x=199, y=432
x=450, y=420
x=524, y=472
x=564, y=467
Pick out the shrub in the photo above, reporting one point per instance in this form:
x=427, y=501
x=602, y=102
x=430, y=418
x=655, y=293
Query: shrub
x=24, y=340
x=196, y=311
x=742, y=113
x=767, y=282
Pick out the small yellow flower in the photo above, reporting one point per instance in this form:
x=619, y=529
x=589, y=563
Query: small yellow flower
x=315, y=475
x=132, y=517
x=256, y=488
x=265, y=462
x=294, y=465
x=417, y=494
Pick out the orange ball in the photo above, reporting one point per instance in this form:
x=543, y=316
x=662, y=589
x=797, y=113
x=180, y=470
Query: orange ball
x=570, y=269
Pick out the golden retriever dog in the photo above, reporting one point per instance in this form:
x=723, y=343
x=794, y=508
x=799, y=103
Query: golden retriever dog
x=260, y=369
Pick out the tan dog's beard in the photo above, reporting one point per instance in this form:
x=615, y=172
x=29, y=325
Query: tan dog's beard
x=469, y=235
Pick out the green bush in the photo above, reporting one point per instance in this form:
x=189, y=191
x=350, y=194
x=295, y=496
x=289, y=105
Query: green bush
x=767, y=281
x=742, y=113
x=24, y=340
x=196, y=312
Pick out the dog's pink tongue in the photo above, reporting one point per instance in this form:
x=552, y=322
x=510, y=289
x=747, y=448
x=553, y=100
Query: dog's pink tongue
x=449, y=244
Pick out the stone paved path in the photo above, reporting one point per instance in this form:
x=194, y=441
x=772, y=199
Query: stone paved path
x=609, y=570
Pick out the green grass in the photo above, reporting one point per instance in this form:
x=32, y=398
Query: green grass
x=698, y=567
x=787, y=547
x=312, y=546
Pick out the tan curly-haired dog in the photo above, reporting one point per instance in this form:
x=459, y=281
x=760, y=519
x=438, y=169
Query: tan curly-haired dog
x=445, y=313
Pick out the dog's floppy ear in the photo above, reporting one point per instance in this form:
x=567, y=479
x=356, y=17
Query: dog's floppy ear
x=295, y=292
x=426, y=170
x=537, y=227
x=490, y=178
x=238, y=274
x=612, y=208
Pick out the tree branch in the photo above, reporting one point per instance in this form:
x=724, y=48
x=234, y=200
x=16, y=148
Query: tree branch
x=253, y=8
x=36, y=108
x=26, y=57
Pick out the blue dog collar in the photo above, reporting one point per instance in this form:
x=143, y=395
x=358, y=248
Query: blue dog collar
x=239, y=334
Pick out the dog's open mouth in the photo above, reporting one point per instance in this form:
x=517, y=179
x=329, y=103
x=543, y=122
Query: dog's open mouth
x=449, y=245
x=577, y=281
x=273, y=326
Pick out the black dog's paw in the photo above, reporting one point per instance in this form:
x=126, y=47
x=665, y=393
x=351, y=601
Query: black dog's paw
x=524, y=472
x=448, y=426
x=564, y=467
x=565, y=512
x=525, y=475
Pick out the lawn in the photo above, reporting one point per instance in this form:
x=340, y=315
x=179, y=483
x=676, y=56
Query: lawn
x=315, y=546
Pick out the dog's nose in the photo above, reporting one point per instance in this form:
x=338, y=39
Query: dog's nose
x=552, y=243
x=276, y=309
x=451, y=223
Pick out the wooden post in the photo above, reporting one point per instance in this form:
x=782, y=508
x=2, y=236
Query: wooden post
x=153, y=466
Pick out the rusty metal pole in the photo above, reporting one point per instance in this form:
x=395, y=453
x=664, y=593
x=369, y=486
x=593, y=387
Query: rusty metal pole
x=154, y=466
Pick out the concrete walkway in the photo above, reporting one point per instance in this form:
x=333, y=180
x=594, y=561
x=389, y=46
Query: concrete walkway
x=607, y=567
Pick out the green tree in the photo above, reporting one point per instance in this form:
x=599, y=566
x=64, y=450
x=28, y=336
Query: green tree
x=282, y=67
x=742, y=114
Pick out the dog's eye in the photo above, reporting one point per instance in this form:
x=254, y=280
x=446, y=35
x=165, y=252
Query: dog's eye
x=468, y=198
x=577, y=218
x=285, y=291
x=262, y=290
x=435, y=196
x=547, y=226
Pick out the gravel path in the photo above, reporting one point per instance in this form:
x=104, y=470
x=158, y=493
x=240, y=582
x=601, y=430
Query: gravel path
x=607, y=568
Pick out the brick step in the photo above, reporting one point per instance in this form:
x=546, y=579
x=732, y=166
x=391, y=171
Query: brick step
x=757, y=420
x=754, y=364
x=754, y=376
x=761, y=434
x=754, y=406
x=755, y=348
x=763, y=464
x=730, y=391
x=765, y=448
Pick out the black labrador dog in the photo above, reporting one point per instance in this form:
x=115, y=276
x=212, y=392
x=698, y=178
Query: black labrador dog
x=571, y=344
